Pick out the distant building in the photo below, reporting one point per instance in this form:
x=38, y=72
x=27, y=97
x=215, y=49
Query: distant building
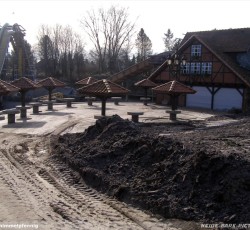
x=141, y=70
x=217, y=67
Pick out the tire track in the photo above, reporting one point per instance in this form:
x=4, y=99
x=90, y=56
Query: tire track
x=57, y=195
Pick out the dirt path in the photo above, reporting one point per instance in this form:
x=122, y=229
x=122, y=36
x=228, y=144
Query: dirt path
x=35, y=189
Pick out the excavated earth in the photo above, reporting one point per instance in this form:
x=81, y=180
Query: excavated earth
x=183, y=170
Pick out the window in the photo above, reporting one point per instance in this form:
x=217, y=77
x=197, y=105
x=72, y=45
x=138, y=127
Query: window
x=196, y=50
x=185, y=68
x=195, y=68
x=206, y=68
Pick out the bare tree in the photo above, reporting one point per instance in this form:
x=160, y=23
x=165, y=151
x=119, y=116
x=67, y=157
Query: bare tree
x=45, y=49
x=110, y=31
x=144, y=45
x=57, y=48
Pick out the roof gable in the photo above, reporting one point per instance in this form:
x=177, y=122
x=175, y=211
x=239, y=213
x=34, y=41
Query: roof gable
x=86, y=81
x=103, y=88
x=174, y=87
x=146, y=83
x=25, y=83
x=6, y=88
x=242, y=73
x=220, y=43
x=51, y=82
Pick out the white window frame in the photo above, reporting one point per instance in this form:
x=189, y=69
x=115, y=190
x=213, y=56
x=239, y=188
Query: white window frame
x=185, y=68
x=195, y=68
x=196, y=50
x=206, y=68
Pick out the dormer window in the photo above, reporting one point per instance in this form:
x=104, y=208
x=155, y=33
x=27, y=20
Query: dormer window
x=196, y=50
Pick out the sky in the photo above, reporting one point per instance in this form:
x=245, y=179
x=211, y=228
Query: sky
x=154, y=16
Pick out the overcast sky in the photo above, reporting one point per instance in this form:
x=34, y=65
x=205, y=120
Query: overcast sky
x=154, y=16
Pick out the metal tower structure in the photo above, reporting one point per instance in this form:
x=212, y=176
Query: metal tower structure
x=14, y=34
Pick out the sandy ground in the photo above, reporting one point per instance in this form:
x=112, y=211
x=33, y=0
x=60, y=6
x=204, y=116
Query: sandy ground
x=39, y=193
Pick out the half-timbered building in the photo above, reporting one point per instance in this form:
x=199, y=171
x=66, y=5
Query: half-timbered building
x=217, y=67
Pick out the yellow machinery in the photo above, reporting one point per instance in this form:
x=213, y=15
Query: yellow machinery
x=15, y=34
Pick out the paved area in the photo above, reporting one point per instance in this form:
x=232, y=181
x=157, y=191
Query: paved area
x=81, y=115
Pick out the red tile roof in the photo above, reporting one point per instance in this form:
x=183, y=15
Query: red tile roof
x=25, y=83
x=146, y=83
x=103, y=88
x=51, y=82
x=6, y=88
x=173, y=87
x=86, y=81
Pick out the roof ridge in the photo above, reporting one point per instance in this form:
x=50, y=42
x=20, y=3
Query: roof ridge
x=229, y=29
x=107, y=85
x=172, y=86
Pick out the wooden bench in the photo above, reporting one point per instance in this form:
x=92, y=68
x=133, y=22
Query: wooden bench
x=135, y=115
x=90, y=100
x=11, y=115
x=173, y=114
x=35, y=106
x=145, y=100
x=116, y=100
x=23, y=110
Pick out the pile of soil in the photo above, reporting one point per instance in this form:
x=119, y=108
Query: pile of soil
x=191, y=172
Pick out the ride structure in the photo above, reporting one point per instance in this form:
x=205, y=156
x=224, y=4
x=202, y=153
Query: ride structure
x=23, y=66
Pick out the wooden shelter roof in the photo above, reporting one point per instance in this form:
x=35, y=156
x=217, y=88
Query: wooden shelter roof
x=51, y=82
x=6, y=88
x=103, y=88
x=174, y=87
x=145, y=83
x=24, y=83
x=86, y=81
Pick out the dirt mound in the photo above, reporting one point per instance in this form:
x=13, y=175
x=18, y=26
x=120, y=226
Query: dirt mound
x=185, y=175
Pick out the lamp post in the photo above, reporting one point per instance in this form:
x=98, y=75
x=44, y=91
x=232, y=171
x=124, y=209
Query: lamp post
x=175, y=63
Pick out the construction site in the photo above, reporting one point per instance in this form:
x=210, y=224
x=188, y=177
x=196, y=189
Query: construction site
x=106, y=162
